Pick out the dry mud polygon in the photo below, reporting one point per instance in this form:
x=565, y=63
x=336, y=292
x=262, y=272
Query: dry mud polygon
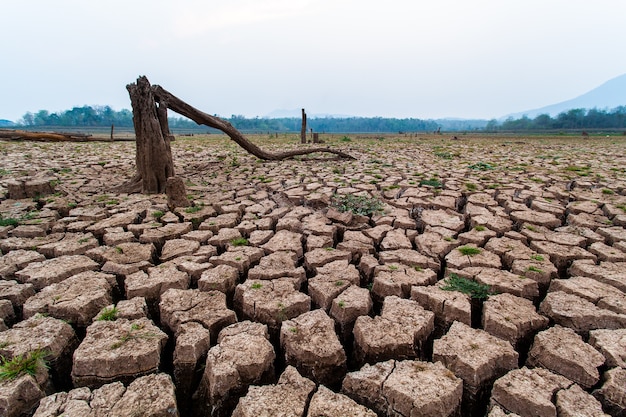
x=259, y=298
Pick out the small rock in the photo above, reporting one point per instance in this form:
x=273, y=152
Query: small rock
x=611, y=344
x=179, y=306
x=77, y=299
x=562, y=351
x=155, y=282
x=511, y=318
x=406, y=388
x=398, y=333
x=476, y=357
x=574, y=312
x=326, y=403
x=528, y=392
x=242, y=357
x=311, y=345
x=612, y=394
x=117, y=350
x=288, y=398
x=573, y=402
x=42, y=274
x=271, y=302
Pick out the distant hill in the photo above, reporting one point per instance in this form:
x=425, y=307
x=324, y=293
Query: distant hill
x=609, y=95
x=6, y=123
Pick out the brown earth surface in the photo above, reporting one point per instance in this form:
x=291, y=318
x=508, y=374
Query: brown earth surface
x=263, y=297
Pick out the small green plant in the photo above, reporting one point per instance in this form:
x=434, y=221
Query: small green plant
x=9, y=221
x=444, y=155
x=339, y=283
x=433, y=182
x=481, y=166
x=470, y=186
x=119, y=250
x=467, y=286
x=256, y=286
x=27, y=364
x=71, y=205
x=345, y=139
x=537, y=258
x=607, y=191
x=469, y=250
x=193, y=209
x=341, y=304
x=480, y=228
x=108, y=314
x=393, y=267
x=133, y=334
x=532, y=268
x=158, y=214
x=530, y=227
x=239, y=241
x=357, y=204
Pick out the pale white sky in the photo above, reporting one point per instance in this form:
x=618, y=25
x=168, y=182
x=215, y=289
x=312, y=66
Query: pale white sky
x=392, y=58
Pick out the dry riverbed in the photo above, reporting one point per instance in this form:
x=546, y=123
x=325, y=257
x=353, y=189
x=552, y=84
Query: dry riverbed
x=430, y=276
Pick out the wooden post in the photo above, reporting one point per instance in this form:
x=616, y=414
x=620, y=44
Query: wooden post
x=316, y=137
x=112, y=127
x=303, y=130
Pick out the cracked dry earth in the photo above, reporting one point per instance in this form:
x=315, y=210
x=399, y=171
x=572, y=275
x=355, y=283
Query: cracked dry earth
x=263, y=300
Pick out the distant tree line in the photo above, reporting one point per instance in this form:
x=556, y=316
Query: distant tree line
x=575, y=119
x=104, y=116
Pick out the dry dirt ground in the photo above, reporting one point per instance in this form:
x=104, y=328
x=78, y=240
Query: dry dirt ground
x=491, y=282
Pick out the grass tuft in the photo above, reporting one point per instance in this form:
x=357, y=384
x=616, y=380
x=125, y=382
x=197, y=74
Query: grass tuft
x=357, y=204
x=467, y=286
x=108, y=314
x=469, y=250
x=239, y=241
x=22, y=365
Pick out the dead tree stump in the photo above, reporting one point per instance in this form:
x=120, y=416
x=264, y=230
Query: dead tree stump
x=154, y=155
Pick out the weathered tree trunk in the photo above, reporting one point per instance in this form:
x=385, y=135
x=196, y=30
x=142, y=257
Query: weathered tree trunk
x=303, y=128
x=152, y=138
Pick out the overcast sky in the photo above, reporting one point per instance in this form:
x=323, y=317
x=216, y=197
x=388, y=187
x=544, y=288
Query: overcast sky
x=391, y=58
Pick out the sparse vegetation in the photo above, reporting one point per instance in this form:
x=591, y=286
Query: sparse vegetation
x=469, y=250
x=467, y=286
x=357, y=204
x=239, y=241
x=108, y=314
x=27, y=364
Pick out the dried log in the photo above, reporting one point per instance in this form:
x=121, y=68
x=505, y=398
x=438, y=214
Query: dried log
x=43, y=136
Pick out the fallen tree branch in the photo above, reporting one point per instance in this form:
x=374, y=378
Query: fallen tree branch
x=174, y=103
x=43, y=136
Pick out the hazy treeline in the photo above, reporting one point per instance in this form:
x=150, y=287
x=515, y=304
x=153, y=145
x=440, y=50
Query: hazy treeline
x=571, y=119
x=103, y=116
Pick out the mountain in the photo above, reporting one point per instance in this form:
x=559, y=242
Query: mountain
x=609, y=95
x=6, y=123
